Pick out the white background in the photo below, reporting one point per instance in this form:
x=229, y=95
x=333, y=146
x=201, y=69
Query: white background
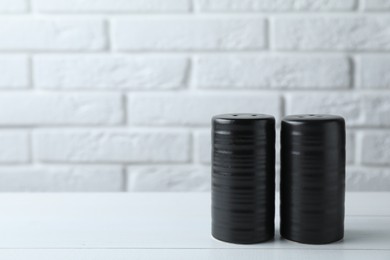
x=117, y=95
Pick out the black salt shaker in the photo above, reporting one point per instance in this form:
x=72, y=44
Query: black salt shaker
x=243, y=177
x=312, y=186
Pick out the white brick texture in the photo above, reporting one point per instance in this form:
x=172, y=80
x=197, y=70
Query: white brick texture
x=108, y=6
x=275, y=5
x=14, y=147
x=51, y=34
x=203, y=146
x=332, y=33
x=61, y=178
x=374, y=71
x=109, y=72
x=272, y=72
x=56, y=109
x=376, y=5
x=350, y=147
x=168, y=178
x=14, y=72
x=206, y=33
x=13, y=6
x=376, y=148
x=195, y=109
x=118, y=95
x=367, y=179
x=111, y=146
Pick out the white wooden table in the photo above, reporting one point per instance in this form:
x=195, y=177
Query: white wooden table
x=166, y=226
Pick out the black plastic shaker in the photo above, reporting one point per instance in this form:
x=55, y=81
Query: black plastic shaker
x=312, y=186
x=243, y=177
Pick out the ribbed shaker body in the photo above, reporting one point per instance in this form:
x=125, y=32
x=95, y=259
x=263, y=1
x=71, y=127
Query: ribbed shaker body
x=243, y=178
x=312, y=186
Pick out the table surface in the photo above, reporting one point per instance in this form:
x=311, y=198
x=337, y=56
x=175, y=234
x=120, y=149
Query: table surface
x=166, y=226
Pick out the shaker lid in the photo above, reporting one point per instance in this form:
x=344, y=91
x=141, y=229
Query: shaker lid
x=312, y=118
x=313, y=131
x=242, y=119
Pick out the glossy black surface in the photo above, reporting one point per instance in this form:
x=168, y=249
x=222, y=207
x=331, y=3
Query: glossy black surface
x=312, y=186
x=243, y=177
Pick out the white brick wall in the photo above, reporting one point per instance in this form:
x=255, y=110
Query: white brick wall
x=51, y=34
x=376, y=5
x=108, y=6
x=13, y=6
x=170, y=178
x=14, y=70
x=357, y=33
x=374, y=71
x=274, y=5
x=35, y=108
x=189, y=109
x=109, y=72
x=117, y=95
x=14, y=147
x=61, y=178
x=112, y=146
x=250, y=71
x=189, y=33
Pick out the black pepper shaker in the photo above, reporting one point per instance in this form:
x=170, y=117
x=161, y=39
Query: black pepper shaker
x=312, y=186
x=243, y=177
